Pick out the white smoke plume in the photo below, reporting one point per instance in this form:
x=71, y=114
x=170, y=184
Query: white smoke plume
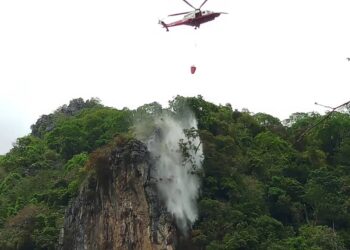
x=175, y=172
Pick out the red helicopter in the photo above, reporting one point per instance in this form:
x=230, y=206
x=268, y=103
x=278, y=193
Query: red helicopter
x=193, y=18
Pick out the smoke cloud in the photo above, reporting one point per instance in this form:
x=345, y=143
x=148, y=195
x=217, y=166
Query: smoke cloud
x=178, y=157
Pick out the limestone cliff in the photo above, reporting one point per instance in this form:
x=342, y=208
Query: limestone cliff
x=122, y=210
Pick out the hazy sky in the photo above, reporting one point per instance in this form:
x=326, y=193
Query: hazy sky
x=272, y=56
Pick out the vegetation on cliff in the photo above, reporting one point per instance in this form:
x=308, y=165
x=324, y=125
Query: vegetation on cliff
x=262, y=186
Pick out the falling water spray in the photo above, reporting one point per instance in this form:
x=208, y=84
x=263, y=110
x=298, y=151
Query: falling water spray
x=178, y=153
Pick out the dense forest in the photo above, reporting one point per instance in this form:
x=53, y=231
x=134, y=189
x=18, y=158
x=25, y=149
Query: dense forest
x=263, y=185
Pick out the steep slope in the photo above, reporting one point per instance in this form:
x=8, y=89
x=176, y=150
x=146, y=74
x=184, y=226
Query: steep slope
x=118, y=208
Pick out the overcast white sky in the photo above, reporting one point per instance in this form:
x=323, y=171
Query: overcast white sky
x=272, y=56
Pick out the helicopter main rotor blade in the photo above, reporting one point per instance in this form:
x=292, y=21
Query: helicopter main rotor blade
x=202, y=4
x=182, y=13
x=190, y=4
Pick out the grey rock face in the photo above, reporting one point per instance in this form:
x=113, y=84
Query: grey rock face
x=46, y=123
x=122, y=210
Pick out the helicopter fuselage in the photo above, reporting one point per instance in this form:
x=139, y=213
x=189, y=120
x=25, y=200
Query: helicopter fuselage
x=195, y=18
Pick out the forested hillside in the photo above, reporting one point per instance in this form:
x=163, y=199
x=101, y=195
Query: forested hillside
x=263, y=186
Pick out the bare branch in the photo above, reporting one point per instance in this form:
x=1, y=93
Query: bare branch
x=322, y=120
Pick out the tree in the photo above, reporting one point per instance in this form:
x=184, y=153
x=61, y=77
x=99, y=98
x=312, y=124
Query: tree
x=323, y=193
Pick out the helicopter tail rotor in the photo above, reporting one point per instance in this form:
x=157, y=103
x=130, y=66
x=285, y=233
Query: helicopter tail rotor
x=163, y=24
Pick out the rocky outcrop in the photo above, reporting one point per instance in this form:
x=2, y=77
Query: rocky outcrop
x=122, y=210
x=46, y=123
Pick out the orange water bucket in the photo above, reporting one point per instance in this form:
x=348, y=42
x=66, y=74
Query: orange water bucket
x=193, y=69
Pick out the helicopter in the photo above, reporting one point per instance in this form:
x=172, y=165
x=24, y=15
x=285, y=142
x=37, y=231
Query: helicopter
x=193, y=18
